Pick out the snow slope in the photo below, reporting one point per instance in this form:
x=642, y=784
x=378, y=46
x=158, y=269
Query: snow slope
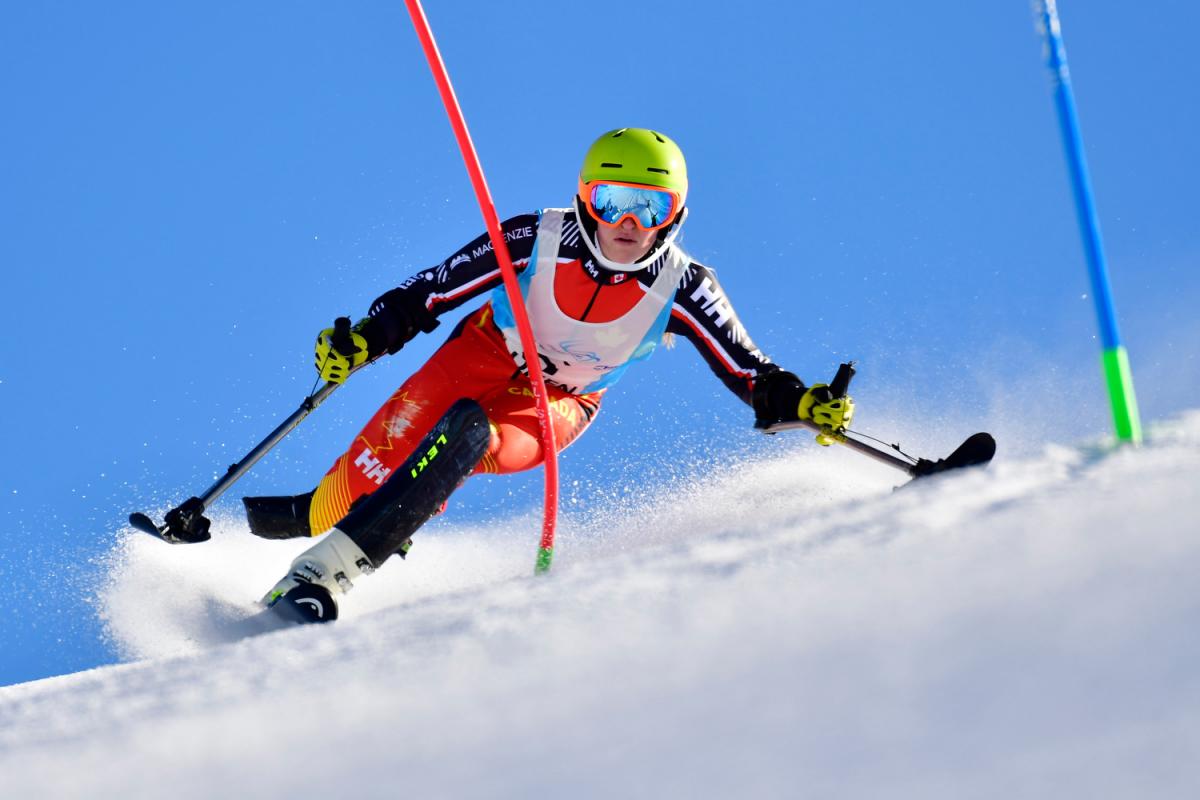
x=1024, y=631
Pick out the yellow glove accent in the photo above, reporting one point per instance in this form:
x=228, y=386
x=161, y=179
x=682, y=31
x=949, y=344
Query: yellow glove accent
x=334, y=365
x=831, y=413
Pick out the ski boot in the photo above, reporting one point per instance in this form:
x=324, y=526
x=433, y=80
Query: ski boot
x=305, y=604
x=317, y=576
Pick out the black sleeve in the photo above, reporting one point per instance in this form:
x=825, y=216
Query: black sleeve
x=702, y=314
x=414, y=306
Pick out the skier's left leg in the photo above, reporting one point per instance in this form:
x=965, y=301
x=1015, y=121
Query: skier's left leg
x=500, y=436
x=383, y=522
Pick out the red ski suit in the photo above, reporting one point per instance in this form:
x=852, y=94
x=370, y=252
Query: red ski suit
x=475, y=361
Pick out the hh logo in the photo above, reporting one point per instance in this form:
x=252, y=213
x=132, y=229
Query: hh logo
x=371, y=466
x=430, y=455
x=714, y=302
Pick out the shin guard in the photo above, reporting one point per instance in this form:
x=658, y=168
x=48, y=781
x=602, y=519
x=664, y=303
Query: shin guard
x=383, y=522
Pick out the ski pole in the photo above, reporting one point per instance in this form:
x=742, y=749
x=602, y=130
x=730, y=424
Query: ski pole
x=844, y=437
x=186, y=523
x=978, y=448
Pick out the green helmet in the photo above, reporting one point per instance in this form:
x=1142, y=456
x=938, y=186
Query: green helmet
x=636, y=155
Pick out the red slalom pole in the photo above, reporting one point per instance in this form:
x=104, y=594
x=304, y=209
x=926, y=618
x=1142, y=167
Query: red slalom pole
x=507, y=271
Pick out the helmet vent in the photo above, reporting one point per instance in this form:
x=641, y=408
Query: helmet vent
x=656, y=169
x=658, y=136
x=610, y=164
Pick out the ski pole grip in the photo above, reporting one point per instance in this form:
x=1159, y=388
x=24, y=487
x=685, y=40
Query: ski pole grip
x=341, y=339
x=841, y=381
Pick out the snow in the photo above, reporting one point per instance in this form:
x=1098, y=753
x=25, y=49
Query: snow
x=789, y=628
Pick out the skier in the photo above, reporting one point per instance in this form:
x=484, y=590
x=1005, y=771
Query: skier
x=603, y=283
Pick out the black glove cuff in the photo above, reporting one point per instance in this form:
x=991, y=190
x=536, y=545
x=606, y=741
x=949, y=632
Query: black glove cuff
x=777, y=396
x=398, y=316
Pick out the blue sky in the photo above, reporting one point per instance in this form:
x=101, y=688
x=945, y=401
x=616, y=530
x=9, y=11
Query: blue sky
x=189, y=193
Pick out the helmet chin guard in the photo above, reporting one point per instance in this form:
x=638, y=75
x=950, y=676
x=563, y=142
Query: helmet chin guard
x=655, y=251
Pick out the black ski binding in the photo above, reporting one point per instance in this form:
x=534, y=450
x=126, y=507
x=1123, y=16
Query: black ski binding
x=185, y=524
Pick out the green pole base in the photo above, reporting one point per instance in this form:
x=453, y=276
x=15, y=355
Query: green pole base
x=1120, y=393
x=544, y=557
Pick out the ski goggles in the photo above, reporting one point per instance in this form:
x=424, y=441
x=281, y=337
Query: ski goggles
x=610, y=203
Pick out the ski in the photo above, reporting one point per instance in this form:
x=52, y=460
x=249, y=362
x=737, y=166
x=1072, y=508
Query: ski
x=978, y=449
x=143, y=523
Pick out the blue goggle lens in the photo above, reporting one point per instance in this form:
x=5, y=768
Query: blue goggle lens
x=651, y=208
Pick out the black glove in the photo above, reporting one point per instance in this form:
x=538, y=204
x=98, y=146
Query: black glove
x=780, y=396
x=396, y=317
x=776, y=397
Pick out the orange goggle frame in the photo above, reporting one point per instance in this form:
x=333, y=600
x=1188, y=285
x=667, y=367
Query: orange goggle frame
x=610, y=202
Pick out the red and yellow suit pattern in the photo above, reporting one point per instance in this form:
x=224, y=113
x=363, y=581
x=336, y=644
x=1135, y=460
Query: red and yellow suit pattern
x=473, y=363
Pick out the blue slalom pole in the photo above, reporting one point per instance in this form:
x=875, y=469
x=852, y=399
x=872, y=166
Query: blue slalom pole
x=1115, y=360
